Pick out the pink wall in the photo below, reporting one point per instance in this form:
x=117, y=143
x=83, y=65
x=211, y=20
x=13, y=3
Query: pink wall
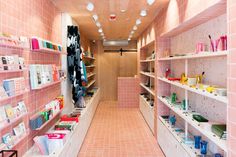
x=231, y=78
x=31, y=18
x=128, y=92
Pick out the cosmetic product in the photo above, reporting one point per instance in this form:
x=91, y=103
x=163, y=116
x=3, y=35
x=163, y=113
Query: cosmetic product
x=172, y=120
x=200, y=47
x=219, y=129
x=199, y=118
x=223, y=40
x=167, y=73
x=221, y=91
x=218, y=155
x=183, y=104
x=204, y=147
x=173, y=98
x=197, y=141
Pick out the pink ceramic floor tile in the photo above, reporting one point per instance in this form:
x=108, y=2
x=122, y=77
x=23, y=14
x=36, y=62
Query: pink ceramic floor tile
x=119, y=132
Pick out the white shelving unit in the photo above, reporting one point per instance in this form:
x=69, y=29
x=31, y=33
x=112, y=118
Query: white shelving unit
x=195, y=56
x=74, y=139
x=222, y=99
x=147, y=83
x=91, y=70
x=187, y=116
x=179, y=61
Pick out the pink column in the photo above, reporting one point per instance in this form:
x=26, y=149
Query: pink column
x=232, y=78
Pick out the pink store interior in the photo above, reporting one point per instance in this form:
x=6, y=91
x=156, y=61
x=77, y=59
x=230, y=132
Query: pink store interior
x=117, y=78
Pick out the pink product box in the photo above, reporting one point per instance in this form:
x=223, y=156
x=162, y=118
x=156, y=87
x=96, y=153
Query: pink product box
x=35, y=43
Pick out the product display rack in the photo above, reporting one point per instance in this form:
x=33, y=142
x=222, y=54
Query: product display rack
x=147, y=83
x=75, y=138
x=165, y=107
x=91, y=71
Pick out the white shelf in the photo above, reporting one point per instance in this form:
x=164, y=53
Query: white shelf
x=189, y=148
x=90, y=66
x=88, y=57
x=91, y=83
x=223, y=99
x=76, y=137
x=151, y=91
x=146, y=102
x=90, y=75
x=148, y=74
x=194, y=56
x=147, y=112
x=148, y=60
x=187, y=116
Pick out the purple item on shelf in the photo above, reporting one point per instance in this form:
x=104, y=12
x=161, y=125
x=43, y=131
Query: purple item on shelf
x=35, y=43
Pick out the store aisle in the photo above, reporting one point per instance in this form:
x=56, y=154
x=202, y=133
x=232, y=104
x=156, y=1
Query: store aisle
x=119, y=132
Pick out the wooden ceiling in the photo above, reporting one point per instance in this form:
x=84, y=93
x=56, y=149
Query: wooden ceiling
x=113, y=30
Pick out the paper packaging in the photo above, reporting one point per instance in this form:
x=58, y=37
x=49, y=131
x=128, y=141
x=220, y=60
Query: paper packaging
x=55, y=141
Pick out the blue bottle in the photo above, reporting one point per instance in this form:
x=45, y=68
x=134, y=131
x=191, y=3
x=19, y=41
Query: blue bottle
x=218, y=155
x=172, y=120
x=197, y=141
x=204, y=147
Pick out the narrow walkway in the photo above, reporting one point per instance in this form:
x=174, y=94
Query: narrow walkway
x=119, y=132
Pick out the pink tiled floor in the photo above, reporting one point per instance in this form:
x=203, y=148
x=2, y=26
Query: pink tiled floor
x=119, y=132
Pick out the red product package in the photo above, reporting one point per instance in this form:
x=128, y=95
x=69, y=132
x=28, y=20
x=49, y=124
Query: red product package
x=69, y=118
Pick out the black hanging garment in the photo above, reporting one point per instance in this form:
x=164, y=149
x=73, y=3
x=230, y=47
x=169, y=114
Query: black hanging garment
x=74, y=63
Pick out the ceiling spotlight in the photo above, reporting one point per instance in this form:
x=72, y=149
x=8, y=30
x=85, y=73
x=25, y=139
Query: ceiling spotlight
x=122, y=10
x=112, y=17
x=90, y=6
x=135, y=28
x=132, y=32
x=138, y=22
x=150, y=2
x=143, y=13
x=129, y=39
x=98, y=24
x=95, y=17
x=100, y=30
x=102, y=34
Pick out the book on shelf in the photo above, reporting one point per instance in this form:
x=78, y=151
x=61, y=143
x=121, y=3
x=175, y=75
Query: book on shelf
x=19, y=130
x=8, y=139
x=22, y=107
x=41, y=144
x=3, y=116
x=3, y=93
x=14, y=86
x=42, y=74
x=9, y=111
x=35, y=76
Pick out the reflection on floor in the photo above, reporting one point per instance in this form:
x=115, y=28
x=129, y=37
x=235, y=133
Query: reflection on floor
x=119, y=132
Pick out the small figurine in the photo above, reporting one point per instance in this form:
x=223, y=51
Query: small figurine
x=200, y=77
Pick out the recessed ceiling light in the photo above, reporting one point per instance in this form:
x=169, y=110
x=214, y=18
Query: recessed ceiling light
x=95, y=17
x=90, y=6
x=102, y=34
x=129, y=39
x=112, y=17
x=132, y=32
x=98, y=24
x=138, y=22
x=135, y=28
x=100, y=30
x=143, y=13
x=122, y=10
x=150, y=2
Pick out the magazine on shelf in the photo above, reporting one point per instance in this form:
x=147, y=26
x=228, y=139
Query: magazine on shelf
x=8, y=139
x=3, y=116
x=9, y=111
x=22, y=107
x=3, y=93
x=35, y=76
x=20, y=130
